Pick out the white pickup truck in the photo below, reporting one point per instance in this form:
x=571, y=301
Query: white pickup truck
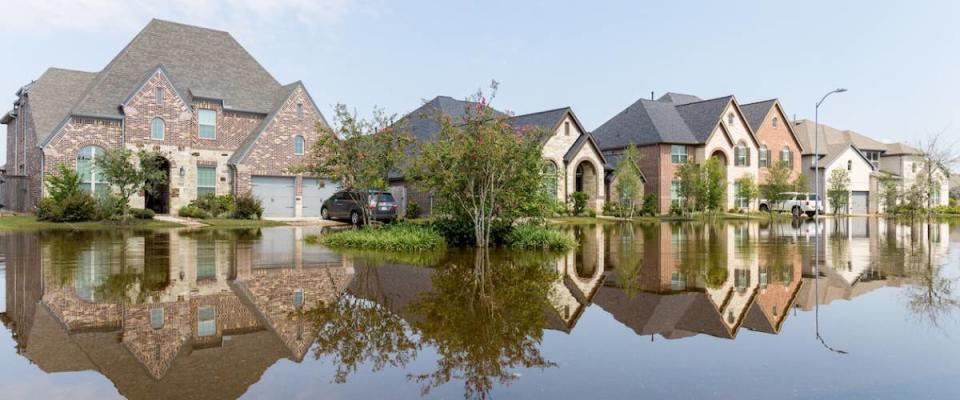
x=796, y=203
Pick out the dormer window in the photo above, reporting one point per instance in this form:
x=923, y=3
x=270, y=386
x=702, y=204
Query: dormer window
x=158, y=95
x=566, y=128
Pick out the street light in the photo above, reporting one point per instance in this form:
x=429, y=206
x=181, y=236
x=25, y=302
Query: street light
x=816, y=145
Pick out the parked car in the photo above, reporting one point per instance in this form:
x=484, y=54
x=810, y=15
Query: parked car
x=796, y=203
x=350, y=205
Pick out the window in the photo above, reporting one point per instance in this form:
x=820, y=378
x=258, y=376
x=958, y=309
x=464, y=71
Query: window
x=158, y=96
x=550, y=178
x=677, y=281
x=206, y=260
x=874, y=157
x=208, y=124
x=742, y=155
x=763, y=155
x=730, y=119
x=91, y=180
x=206, y=180
x=566, y=128
x=298, y=145
x=913, y=167
x=849, y=165
x=206, y=321
x=156, y=318
x=675, y=195
x=678, y=154
x=775, y=122
x=157, y=129
x=786, y=157
x=299, y=110
x=738, y=201
x=741, y=278
x=298, y=299
x=762, y=277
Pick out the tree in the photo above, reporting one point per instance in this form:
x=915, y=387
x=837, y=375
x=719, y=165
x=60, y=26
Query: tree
x=801, y=183
x=889, y=193
x=703, y=186
x=65, y=183
x=838, y=191
x=746, y=189
x=629, y=185
x=358, y=153
x=128, y=177
x=778, y=183
x=481, y=170
x=936, y=159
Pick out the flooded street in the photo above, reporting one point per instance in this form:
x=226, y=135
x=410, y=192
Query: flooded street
x=663, y=310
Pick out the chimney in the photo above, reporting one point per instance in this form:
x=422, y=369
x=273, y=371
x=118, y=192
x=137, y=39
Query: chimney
x=651, y=95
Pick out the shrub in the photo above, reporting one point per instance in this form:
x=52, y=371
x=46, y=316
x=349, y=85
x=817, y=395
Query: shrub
x=142, y=213
x=579, y=202
x=413, y=209
x=247, y=207
x=109, y=206
x=214, y=205
x=63, y=184
x=397, y=237
x=458, y=232
x=192, y=212
x=649, y=204
x=535, y=237
x=74, y=208
x=612, y=209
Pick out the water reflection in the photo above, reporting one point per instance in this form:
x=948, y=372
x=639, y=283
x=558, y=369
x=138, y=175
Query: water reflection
x=206, y=313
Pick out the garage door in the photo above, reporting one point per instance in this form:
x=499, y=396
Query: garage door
x=859, y=202
x=277, y=193
x=314, y=195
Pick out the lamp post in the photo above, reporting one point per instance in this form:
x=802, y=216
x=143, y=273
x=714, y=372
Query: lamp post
x=816, y=145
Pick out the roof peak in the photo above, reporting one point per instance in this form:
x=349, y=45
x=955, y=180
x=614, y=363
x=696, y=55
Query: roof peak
x=158, y=21
x=543, y=112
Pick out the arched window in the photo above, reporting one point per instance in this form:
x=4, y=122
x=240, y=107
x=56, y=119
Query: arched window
x=730, y=119
x=157, y=129
x=764, y=156
x=566, y=128
x=742, y=155
x=550, y=177
x=775, y=122
x=90, y=179
x=786, y=157
x=298, y=145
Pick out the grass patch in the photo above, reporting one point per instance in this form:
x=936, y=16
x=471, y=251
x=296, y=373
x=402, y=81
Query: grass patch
x=580, y=220
x=240, y=223
x=397, y=237
x=534, y=237
x=29, y=222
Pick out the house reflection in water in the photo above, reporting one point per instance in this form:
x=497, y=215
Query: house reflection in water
x=153, y=311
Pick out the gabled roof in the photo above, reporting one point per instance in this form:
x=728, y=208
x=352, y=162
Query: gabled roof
x=251, y=139
x=549, y=121
x=198, y=60
x=833, y=151
x=421, y=122
x=679, y=98
x=51, y=97
x=146, y=79
x=583, y=140
x=702, y=116
x=896, y=149
x=829, y=135
x=756, y=112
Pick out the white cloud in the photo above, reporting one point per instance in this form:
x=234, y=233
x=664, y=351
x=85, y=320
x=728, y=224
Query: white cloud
x=105, y=16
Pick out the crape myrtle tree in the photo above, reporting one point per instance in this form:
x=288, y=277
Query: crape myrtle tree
x=358, y=153
x=629, y=183
x=838, y=190
x=481, y=170
x=128, y=176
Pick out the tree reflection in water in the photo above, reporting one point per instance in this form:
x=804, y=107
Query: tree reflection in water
x=931, y=295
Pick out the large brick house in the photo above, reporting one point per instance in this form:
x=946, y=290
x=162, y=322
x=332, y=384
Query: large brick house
x=677, y=129
x=572, y=160
x=222, y=123
x=778, y=142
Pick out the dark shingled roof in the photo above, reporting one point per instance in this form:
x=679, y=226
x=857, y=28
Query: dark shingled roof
x=51, y=97
x=421, y=122
x=662, y=121
x=679, y=98
x=199, y=60
x=548, y=120
x=581, y=141
x=756, y=112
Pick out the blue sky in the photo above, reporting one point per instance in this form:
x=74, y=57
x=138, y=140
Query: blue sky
x=899, y=60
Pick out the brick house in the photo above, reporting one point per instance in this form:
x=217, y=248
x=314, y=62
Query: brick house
x=222, y=123
x=677, y=129
x=572, y=160
x=778, y=142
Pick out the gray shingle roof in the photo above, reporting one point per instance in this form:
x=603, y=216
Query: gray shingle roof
x=829, y=135
x=647, y=122
x=900, y=149
x=548, y=120
x=756, y=112
x=51, y=97
x=251, y=139
x=581, y=141
x=199, y=60
x=679, y=98
x=421, y=123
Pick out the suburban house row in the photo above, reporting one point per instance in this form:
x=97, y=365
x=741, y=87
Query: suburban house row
x=224, y=125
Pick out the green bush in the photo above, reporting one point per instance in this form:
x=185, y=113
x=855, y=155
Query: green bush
x=396, y=237
x=535, y=237
x=217, y=206
x=649, y=205
x=579, y=202
x=413, y=209
x=459, y=231
x=192, y=212
x=65, y=183
x=109, y=206
x=247, y=207
x=73, y=208
x=612, y=209
x=948, y=210
x=142, y=213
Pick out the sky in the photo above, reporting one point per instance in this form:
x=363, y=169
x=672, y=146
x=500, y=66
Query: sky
x=899, y=60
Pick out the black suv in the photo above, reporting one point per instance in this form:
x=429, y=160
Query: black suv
x=350, y=205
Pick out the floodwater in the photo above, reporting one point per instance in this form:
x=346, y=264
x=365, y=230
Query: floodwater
x=684, y=310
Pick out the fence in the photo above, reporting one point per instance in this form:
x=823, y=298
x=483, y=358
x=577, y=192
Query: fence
x=14, y=193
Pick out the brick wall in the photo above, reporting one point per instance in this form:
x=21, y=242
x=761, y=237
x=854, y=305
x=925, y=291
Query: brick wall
x=77, y=134
x=142, y=108
x=775, y=138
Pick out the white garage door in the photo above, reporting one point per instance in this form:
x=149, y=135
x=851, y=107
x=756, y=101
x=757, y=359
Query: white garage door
x=277, y=193
x=314, y=195
x=859, y=202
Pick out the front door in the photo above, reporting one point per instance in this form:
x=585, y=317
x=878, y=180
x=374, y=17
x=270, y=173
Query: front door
x=157, y=193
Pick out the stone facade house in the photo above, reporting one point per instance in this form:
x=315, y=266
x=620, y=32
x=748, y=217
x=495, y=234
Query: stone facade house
x=572, y=160
x=778, y=142
x=677, y=129
x=221, y=122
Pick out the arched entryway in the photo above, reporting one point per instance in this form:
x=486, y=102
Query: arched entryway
x=586, y=181
x=720, y=155
x=157, y=197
